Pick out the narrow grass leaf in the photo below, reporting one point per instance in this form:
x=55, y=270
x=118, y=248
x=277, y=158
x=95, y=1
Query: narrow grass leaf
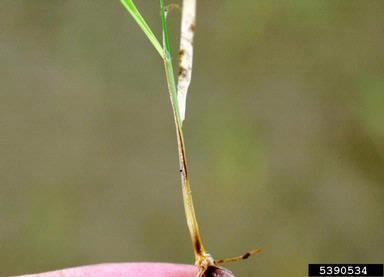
x=130, y=6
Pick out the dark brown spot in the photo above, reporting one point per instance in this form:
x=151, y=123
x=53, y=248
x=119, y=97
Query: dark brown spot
x=197, y=245
x=182, y=71
x=246, y=256
x=181, y=55
x=192, y=28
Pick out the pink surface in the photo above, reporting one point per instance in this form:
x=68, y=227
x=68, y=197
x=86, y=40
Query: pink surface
x=124, y=270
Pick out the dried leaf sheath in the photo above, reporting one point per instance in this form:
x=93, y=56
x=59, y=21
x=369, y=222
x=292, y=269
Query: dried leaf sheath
x=188, y=21
x=198, y=247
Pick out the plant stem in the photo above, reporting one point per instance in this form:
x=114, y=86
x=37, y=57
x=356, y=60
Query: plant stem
x=199, y=250
x=178, y=101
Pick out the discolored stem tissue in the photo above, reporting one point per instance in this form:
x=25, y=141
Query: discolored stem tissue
x=188, y=23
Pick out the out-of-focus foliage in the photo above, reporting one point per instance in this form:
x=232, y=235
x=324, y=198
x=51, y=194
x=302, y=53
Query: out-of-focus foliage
x=284, y=134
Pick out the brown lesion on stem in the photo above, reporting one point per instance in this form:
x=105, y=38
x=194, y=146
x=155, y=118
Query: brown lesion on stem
x=193, y=227
x=197, y=245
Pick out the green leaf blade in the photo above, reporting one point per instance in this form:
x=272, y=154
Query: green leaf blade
x=169, y=67
x=130, y=6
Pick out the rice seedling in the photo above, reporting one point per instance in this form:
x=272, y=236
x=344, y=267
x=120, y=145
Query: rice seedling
x=208, y=266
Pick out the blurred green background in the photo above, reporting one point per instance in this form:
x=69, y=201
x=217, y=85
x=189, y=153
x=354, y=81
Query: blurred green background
x=284, y=132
